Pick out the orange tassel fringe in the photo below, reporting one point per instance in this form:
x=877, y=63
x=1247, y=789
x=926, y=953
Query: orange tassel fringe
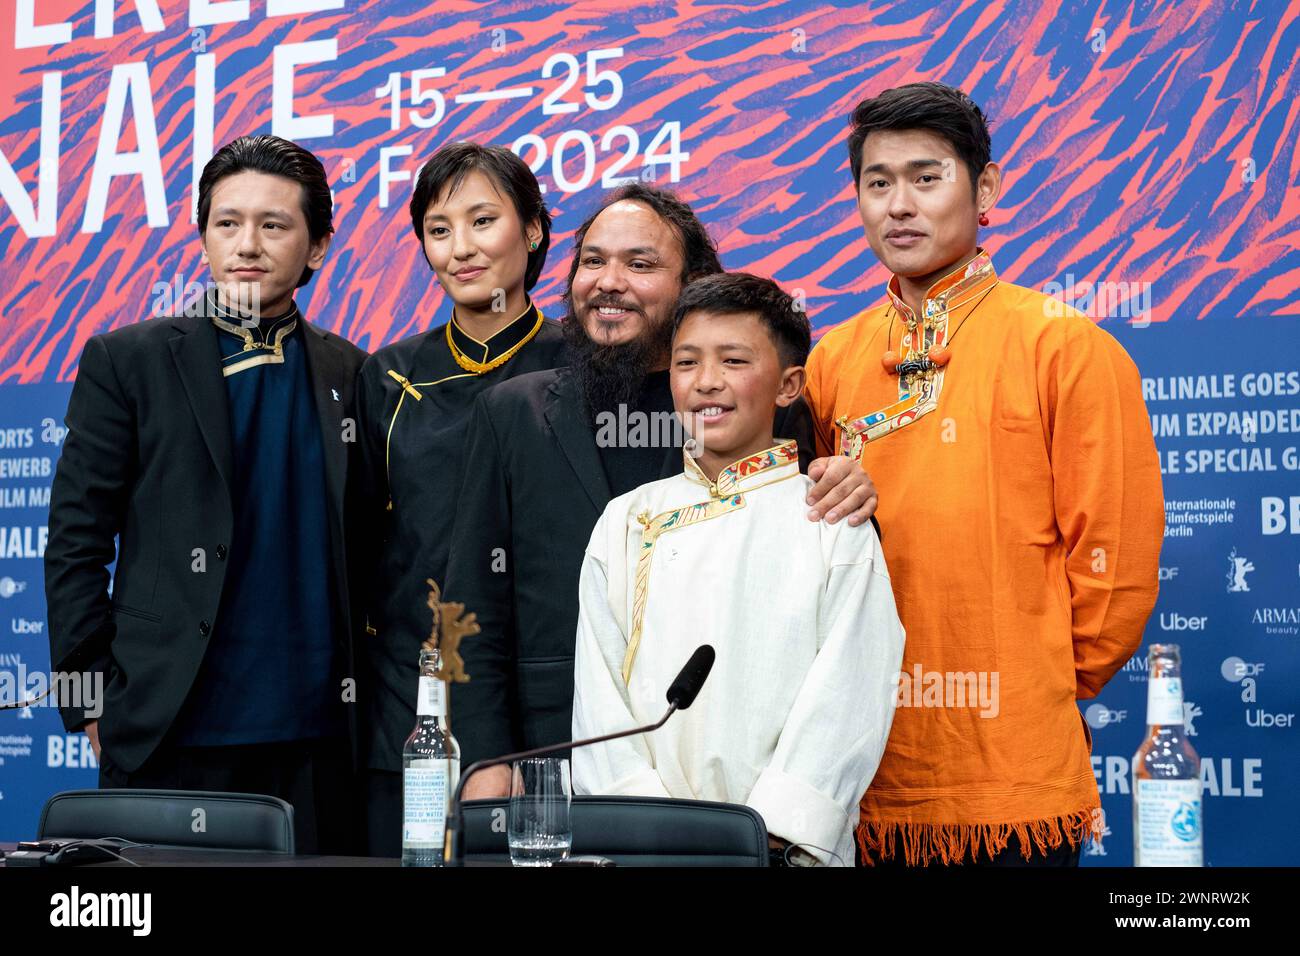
x=951, y=842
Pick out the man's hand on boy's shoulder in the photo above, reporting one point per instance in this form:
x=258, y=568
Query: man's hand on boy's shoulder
x=840, y=488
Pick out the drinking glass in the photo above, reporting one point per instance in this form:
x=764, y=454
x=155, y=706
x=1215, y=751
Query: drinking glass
x=540, y=833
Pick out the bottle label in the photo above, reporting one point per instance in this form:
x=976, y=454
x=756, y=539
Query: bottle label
x=1165, y=701
x=1168, y=823
x=431, y=701
x=425, y=793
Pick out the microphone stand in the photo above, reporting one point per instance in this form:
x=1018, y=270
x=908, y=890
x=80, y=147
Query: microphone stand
x=454, y=848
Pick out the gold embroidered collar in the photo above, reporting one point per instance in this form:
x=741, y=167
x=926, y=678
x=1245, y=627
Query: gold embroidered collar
x=958, y=287
x=772, y=464
x=922, y=352
x=263, y=343
x=479, y=357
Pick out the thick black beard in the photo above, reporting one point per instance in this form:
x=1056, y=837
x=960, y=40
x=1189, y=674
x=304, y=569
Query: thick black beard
x=612, y=375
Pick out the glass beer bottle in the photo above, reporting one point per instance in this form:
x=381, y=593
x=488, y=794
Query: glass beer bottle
x=1166, y=773
x=430, y=770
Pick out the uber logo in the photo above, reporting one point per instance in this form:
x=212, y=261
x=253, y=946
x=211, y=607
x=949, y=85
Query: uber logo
x=1262, y=718
x=1173, y=621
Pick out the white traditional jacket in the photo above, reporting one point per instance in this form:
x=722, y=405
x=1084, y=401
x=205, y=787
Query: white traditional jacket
x=794, y=716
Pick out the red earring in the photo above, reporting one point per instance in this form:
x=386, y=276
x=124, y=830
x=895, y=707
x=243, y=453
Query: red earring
x=984, y=220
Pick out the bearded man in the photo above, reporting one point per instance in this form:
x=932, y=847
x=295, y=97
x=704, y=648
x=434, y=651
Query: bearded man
x=550, y=449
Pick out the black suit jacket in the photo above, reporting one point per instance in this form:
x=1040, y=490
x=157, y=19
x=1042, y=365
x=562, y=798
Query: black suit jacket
x=534, y=489
x=148, y=458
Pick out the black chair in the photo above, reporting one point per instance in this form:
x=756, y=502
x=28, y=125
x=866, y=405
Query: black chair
x=634, y=831
x=167, y=818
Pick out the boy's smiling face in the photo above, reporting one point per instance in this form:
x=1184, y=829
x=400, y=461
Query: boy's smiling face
x=727, y=381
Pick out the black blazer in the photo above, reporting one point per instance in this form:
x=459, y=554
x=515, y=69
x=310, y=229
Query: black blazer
x=534, y=489
x=148, y=458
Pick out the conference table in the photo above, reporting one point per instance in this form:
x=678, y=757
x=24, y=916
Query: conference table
x=188, y=858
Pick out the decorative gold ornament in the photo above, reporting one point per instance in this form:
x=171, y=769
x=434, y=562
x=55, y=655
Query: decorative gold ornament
x=479, y=368
x=449, y=627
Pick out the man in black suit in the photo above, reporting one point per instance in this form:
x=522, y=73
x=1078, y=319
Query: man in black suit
x=214, y=445
x=549, y=450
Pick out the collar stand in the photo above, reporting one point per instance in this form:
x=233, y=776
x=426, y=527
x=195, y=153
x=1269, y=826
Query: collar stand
x=947, y=293
x=746, y=474
x=520, y=329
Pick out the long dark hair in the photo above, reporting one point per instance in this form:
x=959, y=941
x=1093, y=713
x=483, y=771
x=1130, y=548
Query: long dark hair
x=699, y=254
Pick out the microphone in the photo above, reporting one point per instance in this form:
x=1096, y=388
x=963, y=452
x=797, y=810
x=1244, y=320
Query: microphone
x=681, y=694
x=683, y=690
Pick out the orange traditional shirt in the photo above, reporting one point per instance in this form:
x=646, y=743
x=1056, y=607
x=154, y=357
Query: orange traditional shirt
x=1022, y=515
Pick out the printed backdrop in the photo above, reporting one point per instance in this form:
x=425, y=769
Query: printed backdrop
x=1151, y=181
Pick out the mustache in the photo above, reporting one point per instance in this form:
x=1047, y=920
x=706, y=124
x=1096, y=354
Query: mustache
x=611, y=375
x=612, y=302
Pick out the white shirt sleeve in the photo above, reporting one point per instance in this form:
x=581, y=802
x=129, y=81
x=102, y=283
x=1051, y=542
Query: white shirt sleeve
x=837, y=728
x=600, y=699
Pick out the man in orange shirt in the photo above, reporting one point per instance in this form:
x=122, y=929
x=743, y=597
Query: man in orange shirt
x=1020, y=503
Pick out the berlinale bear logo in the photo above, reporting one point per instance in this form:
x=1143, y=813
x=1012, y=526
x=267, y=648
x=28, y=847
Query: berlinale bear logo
x=1238, y=568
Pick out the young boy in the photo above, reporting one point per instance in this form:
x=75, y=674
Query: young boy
x=794, y=716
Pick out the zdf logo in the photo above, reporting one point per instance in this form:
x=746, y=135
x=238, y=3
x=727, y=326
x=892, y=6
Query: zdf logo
x=1099, y=716
x=1234, y=669
x=1245, y=673
x=9, y=587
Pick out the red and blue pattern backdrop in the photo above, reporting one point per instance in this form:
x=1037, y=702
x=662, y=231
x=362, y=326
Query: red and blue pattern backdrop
x=1150, y=180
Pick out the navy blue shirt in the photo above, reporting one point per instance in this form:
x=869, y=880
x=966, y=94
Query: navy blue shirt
x=267, y=675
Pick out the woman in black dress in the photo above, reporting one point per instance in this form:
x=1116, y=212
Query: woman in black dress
x=479, y=214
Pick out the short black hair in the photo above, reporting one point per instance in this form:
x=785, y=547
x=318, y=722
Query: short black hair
x=276, y=157
x=699, y=252
x=452, y=162
x=731, y=293
x=942, y=110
